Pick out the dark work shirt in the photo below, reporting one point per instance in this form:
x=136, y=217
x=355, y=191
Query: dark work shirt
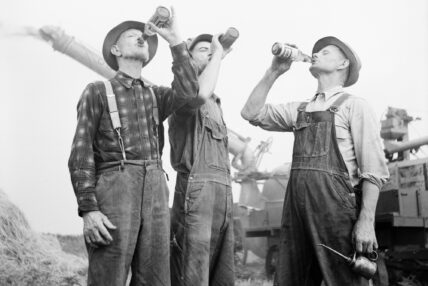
x=186, y=131
x=96, y=142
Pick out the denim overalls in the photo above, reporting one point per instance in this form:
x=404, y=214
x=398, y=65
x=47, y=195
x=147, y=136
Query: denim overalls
x=201, y=219
x=320, y=206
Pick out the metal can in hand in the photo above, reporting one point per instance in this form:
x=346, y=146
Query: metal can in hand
x=159, y=19
x=228, y=38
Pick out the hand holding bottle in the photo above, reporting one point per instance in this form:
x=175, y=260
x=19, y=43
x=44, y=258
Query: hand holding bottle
x=281, y=64
x=290, y=51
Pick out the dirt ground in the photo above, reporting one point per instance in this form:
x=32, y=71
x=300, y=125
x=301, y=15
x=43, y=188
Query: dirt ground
x=250, y=274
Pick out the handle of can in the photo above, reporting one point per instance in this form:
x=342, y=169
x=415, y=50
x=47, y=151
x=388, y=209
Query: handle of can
x=373, y=256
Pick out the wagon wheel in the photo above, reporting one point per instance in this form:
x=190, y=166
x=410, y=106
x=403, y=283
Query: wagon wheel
x=271, y=261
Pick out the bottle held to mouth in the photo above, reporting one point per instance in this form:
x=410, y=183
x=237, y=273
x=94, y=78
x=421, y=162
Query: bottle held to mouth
x=285, y=51
x=159, y=19
x=228, y=38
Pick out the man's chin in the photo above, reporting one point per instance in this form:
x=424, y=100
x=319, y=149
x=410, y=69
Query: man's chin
x=314, y=71
x=201, y=68
x=143, y=57
x=145, y=60
x=138, y=57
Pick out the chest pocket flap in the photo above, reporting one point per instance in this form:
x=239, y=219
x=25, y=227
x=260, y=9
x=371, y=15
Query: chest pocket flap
x=301, y=125
x=215, y=146
x=217, y=131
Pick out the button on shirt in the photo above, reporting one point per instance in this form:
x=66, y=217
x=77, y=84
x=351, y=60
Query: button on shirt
x=184, y=134
x=357, y=132
x=96, y=142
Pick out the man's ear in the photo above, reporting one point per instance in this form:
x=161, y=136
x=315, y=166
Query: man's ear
x=115, y=51
x=344, y=64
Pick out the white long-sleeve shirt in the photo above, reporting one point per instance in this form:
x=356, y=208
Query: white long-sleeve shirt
x=357, y=132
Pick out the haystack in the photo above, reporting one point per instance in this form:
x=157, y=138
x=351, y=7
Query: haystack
x=30, y=258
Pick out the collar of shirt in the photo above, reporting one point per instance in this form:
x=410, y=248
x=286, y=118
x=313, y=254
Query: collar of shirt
x=126, y=80
x=326, y=95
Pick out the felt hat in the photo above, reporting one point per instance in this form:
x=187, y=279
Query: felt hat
x=354, y=60
x=114, y=34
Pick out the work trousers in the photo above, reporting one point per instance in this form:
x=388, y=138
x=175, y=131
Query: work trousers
x=202, y=250
x=135, y=200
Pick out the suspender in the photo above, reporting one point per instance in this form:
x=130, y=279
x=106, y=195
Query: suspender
x=156, y=119
x=115, y=118
x=155, y=107
x=112, y=105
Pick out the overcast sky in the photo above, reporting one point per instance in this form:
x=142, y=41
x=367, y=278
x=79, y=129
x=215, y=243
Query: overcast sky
x=40, y=87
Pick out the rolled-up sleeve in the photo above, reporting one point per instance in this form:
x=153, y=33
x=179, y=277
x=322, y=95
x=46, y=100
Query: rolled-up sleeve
x=369, y=153
x=280, y=117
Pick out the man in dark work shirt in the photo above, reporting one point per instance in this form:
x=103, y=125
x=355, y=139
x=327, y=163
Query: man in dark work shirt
x=201, y=217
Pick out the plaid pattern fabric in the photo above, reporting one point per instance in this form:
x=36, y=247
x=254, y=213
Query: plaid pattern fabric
x=96, y=142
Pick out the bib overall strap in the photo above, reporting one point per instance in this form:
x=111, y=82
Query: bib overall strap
x=302, y=106
x=339, y=101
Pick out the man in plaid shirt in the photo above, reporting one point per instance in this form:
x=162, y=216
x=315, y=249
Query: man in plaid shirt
x=117, y=174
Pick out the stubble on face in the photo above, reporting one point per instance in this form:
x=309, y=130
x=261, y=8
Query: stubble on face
x=133, y=47
x=326, y=60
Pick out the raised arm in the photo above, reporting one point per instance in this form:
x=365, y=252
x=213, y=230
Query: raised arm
x=208, y=78
x=185, y=86
x=258, y=96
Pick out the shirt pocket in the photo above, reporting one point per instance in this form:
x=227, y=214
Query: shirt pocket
x=215, y=145
x=105, y=125
x=342, y=134
x=107, y=137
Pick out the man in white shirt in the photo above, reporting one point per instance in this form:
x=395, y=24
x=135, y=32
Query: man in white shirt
x=337, y=170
